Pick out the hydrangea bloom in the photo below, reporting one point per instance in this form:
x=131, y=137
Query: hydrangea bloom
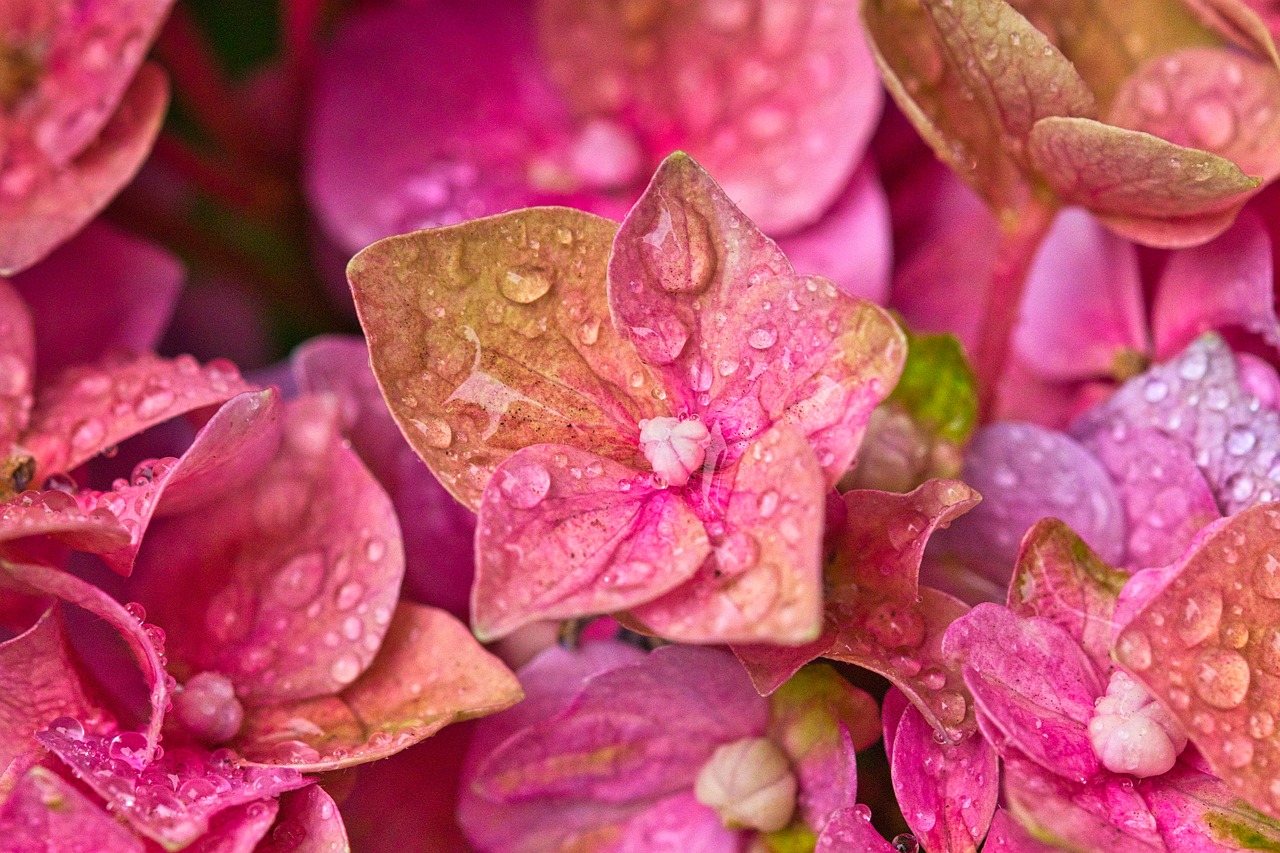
x=661, y=448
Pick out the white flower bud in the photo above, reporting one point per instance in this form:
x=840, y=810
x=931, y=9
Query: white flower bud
x=1132, y=733
x=749, y=783
x=674, y=448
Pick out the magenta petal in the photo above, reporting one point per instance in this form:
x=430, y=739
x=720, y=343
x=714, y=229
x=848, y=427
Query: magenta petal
x=686, y=244
x=1227, y=282
x=89, y=408
x=1007, y=836
x=1197, y=813
x=308, y=549
x=639, y=731
x=94, y=529
x=135, y=284
x=763, y=580
x=237, y=829
x=46, y=813
x=1033, y=686
x=17, y=365
x=947, y=792
x=170, y=798
x=1082, y=307
x=565, y=533
x=309, y=823
x=677, y=824
x=850, y=831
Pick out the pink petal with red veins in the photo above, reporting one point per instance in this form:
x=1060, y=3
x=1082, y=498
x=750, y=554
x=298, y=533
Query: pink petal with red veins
x=1197, y=813
x=1033, y=686
x=1024, y=473
x=1208, y=98
x=1140, y=186
x=564, y=533
x=821, y=364
x=762, y=582
x=1007, y=836
x=309, y=823
x=90, y=408
x=135, y=286
x=288, y=580
x=1209, y=622
x=778, y=99
x=947, y=792
x=170, y=798
x=46, y=813
x=1224, y=283
x=41, y=205
x=850, y=831
x=677, y=824
x=1060, y=579
x=633, y=733
x=1196, y=400
x=859, y=219
x=42, y=580
x=494, y=335
x=428, y=674
x=1166, y=499
x=1082, y=310
x=437, y=530
x=41, y=682
x=17, y=365
x=237, y=829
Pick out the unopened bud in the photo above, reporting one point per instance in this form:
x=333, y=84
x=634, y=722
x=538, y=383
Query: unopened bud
x=749, y=783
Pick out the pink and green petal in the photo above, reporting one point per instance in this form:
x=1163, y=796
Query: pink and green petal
x=850, y=830
x=947, y=792
x=777, y=99
x=428, y=673
x=454, y=317
x=1008, y=836
x=564, y=533
x=90, y=408
x=762, y=582
x=309, y=823
x=170, y=798
x=698, y=290
x=17, y=365
x=135, y=286
x=1034, y=687
x=1197, y=812
x=45, y=203
x=676, y=824
x=288, y=580
x=1061, y=579
x=1203, y=641
x=46, y=813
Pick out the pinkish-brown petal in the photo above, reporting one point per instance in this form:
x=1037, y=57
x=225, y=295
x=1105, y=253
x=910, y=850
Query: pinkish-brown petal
x=564, y=533
x=493, y=335
x=428, y=673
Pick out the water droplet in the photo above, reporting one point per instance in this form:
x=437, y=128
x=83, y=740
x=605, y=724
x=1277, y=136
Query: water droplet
x=589, y=331
x=700, y=375
x=129, y=747
x=768, y=503
x=905, y=843
x=88, y=434
x=345, y=669
x=629, y=573
x=1193, y=365
x=934, y=679
x=299, y=581
x=1261, y=724
x=348, y=595
x=894, y=626
x=375, y=549
x=525, y=485
x=762, y=338
x=738, y=553
x=1221, y=678
x=1266, y=577
x=68, y=727
x=435, y=432
x=1155, y=390
x=1213, y=124
x=525, y=284
x=1237, y=752
x=1200, y=616
x=951, y=707
x=208, y=708
x=1134, y=650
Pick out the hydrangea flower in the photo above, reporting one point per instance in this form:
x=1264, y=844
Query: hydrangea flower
x=660, y=447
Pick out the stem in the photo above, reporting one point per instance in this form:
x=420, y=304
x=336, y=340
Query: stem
x=1020, y=237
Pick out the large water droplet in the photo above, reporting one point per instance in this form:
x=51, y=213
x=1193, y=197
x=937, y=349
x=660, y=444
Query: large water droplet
x=129, y=747
x=299, y=581
x=768, y=503
x=951, y=707
x=68, y=727
x=435, y=432
x=1266, y=577
x=1213, y=124
x=1200, y=616
x=1221, y=678
x=525, y=485
x=525, y=284
x=345, y=669
x=893, y=625
x=1134, y=650
x=762, y=338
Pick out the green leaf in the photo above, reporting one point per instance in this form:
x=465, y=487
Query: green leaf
x=938, y=389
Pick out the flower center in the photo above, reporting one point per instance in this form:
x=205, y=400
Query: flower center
x=674, y=448
x=207, y=706
x=748, y=783
x=1132, y=733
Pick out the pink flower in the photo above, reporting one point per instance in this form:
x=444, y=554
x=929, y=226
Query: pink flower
x=560, y=412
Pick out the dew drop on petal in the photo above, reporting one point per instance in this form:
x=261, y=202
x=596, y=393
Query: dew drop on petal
x=435, y=432
x=762, y=338
x=525, y=284
x=1134, y=650
x=1266, y=577
x=524, y=486
x=345, y=669
x=768, y=504
x=1221, y=678
x=1200, y=616
x=68, y=727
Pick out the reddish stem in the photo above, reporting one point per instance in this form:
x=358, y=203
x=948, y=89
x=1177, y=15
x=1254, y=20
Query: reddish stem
x=1020, y=238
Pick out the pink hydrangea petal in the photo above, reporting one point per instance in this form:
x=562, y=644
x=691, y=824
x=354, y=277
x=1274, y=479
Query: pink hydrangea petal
x=1208, y=98
x=636, y=732
x=53, y=513
x=563, y=533
x=947, y=792
x=1083, y=303
x=437, y=530
x=676, y=824
x=850, y=831
x=90, y=408
x=1196, y=400
x=452, y=343
x=734, y=359
x=778, y=100
x=170, y=798
x=309, y=823
x=1010, y=465
x=1166, y=499
x=1210, y=622
x=1197, y=812
x=1224, y=283
x=237, y=829
x=51, y=204
x=66, y=587
x=428, y=673
x=17, y=365
x=763, y=579
x=1007, y=836
x=1060, y=579
x=44, y=812
x=135, y=286
x=851, y=243
x=1033, y=685
x=1142, y=187
x=307, y=550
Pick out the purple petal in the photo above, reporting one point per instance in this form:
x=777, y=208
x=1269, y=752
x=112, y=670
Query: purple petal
x=46, y=813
